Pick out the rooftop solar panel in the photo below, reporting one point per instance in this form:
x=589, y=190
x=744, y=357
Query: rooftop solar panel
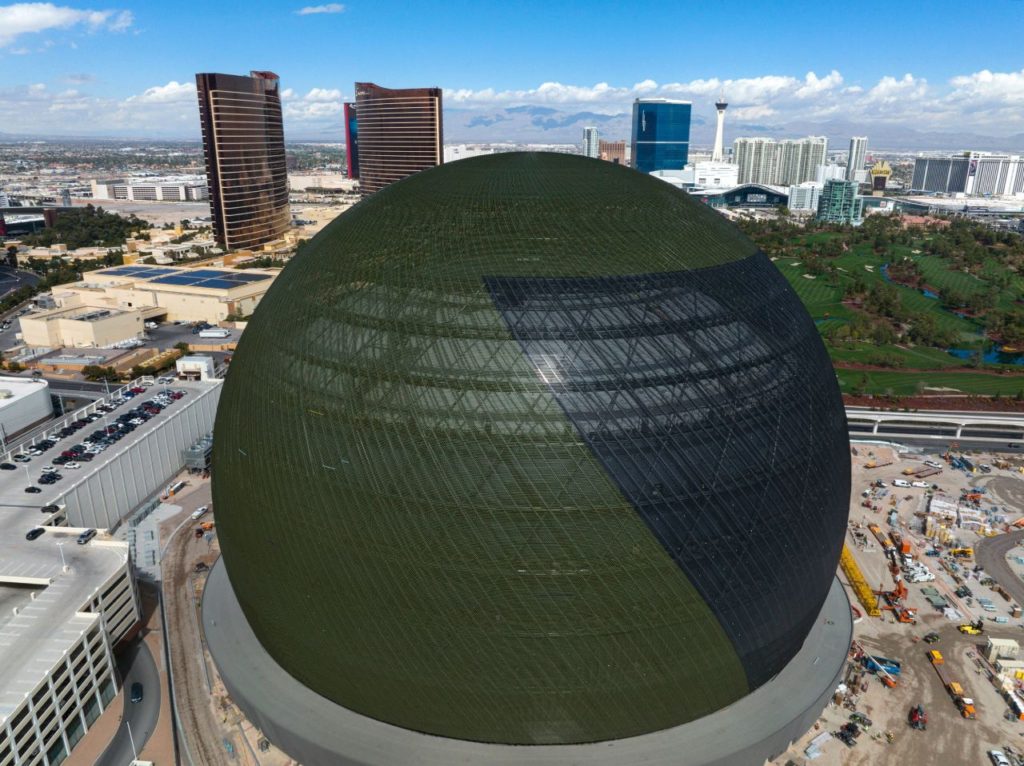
x=175, y=279
x=251, y=277
x=207, y=273
x=217, y=284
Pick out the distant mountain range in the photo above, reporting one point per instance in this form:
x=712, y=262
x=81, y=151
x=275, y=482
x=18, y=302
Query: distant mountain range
x=549, y=125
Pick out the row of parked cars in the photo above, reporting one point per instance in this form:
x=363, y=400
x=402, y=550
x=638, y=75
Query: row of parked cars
x=93, y=444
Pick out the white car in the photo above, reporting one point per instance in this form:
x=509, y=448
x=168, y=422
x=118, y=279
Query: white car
x=47, y=468
x=932, y=464
x=72, y=466
x=920, y=484
x=900, y=483
x=998, y=758
x=200, y=511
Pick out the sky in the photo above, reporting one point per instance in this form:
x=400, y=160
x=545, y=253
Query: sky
x=924, y=72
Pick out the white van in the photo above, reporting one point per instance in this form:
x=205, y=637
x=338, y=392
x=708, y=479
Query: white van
x=900, y=483
x=199, y=512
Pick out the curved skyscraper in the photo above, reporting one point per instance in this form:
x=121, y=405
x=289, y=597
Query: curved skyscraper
x=530, y=450
x=243, y=144
x=399, y=133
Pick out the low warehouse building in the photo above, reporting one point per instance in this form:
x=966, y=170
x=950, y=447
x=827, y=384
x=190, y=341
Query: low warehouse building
x=177, y=294
x=80, y=326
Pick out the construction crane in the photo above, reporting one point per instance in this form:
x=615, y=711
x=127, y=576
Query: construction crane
x=860, y=586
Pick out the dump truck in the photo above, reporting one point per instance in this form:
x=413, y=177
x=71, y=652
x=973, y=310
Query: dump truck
x=935, y=656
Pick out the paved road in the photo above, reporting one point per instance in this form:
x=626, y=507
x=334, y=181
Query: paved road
x=12, y=279
x=990, y=554
x=138, y=666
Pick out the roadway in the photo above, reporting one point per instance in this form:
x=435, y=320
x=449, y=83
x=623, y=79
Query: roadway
x=12, y=279
x=137, y=666
x=990, y=555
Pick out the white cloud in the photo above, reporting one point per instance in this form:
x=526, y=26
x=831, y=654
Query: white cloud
x=323, y=94
x=28, y=18
x=814, y=86
x=317, y=104
x=993, y=87
x=891, y=91
x=171, y=93
x=984, y=102
x=752, y=112
x=328, y=8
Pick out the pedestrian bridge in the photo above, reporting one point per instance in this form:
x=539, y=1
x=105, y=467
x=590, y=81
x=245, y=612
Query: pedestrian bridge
x=993, y=427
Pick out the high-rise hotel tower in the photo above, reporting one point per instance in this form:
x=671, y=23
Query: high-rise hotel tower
x=399, y=133
x=243, y=141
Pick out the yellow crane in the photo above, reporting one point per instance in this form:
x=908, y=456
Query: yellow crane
x=860, y=586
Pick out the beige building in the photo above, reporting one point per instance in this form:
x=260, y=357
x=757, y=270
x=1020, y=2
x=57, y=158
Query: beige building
x=75, y=325
x=169, y=293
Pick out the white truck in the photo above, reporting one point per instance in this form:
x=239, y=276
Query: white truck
x=215, y=332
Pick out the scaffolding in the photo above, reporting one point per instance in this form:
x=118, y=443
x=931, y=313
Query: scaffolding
x=860, y=586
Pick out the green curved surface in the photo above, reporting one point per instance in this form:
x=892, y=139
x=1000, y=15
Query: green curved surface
x=412, y=526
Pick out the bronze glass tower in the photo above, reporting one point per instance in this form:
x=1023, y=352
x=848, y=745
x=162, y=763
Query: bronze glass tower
x=399, y=133
x=243, y=140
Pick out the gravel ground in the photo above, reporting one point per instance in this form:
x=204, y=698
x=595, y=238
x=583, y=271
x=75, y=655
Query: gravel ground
x=949, y=739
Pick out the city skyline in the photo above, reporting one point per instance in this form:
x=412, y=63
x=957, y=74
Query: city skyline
x=514, y=85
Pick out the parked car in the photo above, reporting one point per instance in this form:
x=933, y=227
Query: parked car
x=72, y=465
x=998, y=758
x=86, y=536
x=34, y=533
x=7, y=466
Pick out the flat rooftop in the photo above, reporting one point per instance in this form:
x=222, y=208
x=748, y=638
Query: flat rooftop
x=210, y=279
x=19, y=388
x=34, y=640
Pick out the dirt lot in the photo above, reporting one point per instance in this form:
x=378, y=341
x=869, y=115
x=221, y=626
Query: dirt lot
x=949, y=738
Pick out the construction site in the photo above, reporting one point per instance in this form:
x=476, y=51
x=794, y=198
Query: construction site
x=932, y=569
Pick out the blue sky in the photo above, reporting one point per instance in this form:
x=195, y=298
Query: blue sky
x=118, y=68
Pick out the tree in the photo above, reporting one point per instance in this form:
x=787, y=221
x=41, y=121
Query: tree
x=183, y=347
x=97, y=372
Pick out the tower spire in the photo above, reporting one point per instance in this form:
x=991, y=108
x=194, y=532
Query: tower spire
x=718, y=155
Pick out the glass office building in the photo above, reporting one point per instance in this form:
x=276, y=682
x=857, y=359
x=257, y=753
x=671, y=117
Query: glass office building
x=243, y=145
x=661, y=134
x=531, y=449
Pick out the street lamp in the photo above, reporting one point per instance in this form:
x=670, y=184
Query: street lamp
x=135, y=753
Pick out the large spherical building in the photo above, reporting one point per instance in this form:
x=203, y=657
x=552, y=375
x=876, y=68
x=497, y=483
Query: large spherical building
x=531, y=449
